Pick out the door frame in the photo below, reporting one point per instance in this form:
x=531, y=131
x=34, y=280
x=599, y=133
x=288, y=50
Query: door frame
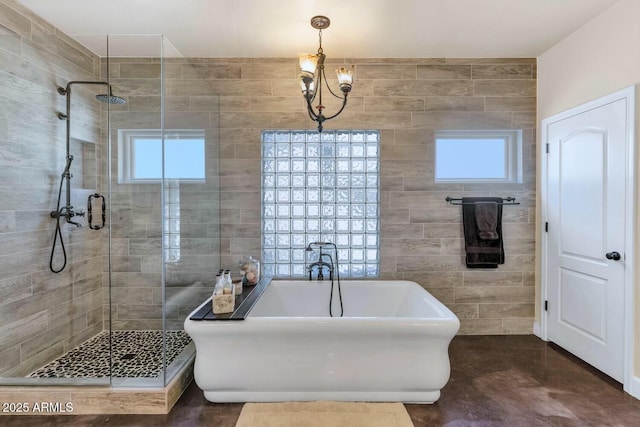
x=631, y=383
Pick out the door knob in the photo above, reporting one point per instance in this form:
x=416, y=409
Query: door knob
x=613, y=255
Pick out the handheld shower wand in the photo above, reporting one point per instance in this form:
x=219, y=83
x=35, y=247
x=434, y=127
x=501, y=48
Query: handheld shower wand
x=67, y=211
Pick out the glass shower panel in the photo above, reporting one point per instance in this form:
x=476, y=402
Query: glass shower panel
x=165, y=242
x=191, y=223
x=135, y=69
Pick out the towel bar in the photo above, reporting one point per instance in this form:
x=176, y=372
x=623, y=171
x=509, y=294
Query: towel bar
x=505, y=201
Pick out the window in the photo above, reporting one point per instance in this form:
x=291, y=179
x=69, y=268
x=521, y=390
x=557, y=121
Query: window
x=478, y=156
x=140, y=161
x=320, y=187
x=141, y=155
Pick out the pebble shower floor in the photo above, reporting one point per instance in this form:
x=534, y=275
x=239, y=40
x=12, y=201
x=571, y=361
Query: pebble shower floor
x=136, y=354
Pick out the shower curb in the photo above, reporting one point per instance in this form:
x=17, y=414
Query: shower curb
x=57, y=400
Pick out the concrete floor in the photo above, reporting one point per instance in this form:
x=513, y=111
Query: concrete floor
x=495, y=381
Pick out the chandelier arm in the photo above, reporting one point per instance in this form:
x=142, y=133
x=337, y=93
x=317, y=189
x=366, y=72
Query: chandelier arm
x=344, y=104
x=312, y=115
x=329, y=87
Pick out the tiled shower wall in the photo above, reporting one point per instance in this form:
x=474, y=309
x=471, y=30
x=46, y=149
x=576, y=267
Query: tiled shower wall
x=407, y=100
x=43, y=314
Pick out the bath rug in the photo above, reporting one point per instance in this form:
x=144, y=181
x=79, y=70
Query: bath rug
x=324, y=414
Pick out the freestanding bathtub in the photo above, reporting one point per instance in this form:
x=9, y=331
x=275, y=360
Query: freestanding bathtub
x=391, y=345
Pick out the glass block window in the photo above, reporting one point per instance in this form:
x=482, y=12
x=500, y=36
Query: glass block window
x=320, y=187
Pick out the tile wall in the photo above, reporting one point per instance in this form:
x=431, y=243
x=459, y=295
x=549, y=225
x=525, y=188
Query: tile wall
x=43, y=314
x=407, y=100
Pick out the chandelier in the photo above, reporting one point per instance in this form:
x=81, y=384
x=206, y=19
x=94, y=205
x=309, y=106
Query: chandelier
x=312, y=76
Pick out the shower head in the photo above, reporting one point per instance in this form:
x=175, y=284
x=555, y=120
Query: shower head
x=111, y=98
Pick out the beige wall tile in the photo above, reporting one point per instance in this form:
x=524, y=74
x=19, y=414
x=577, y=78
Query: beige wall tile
x=413, y=136
x=493, y=294
x=262, y=71
x=431, y=280
x=401, y=231
x=417, y=199
x=219, y=87
x=235, y=103
x=471, y=61
x=423, y=88
x=430, y=263
x=480, y=327
x=388, y=120
x=526, y=88
x=510, y=103
x=462, y=120
x=434, y=216
x=402, y=152
x=395, y=216
x=395, y=103
x=138, y=71
x=382, y=71
x=454, y=103
x=444, y=295
x=243, y=247
x=518, y=326
x=465, y=311
x=452, y=247
x=410, y=61
x=392, y=183
x=211, y=71
x=444, y=72
x=524, y=119
x=10, y=18
x=411, y=247
x=442, y=230
x=502, y=71
x=15, y=288
x=277, y=103
x=509, y=310
x=426, y=183
x=492, y=278
x=405, y=168
x=264, y=120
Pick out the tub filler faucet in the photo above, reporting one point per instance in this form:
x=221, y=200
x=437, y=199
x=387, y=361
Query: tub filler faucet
x=320, y=264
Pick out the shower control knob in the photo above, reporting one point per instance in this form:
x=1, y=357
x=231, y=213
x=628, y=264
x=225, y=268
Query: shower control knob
x=613, y=255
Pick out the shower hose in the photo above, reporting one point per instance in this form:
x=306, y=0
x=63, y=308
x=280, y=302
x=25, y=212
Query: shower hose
x=58, y=233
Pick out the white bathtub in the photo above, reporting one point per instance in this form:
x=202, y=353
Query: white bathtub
x=391, y=345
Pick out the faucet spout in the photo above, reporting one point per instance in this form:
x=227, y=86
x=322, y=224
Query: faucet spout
x=320, y=265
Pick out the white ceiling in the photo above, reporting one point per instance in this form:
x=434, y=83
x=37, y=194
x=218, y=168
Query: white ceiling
x=359, y=28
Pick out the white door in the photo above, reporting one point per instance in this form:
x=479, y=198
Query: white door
x=586, y=205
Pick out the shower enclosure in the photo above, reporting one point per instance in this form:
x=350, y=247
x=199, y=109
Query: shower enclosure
x=110, y=310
